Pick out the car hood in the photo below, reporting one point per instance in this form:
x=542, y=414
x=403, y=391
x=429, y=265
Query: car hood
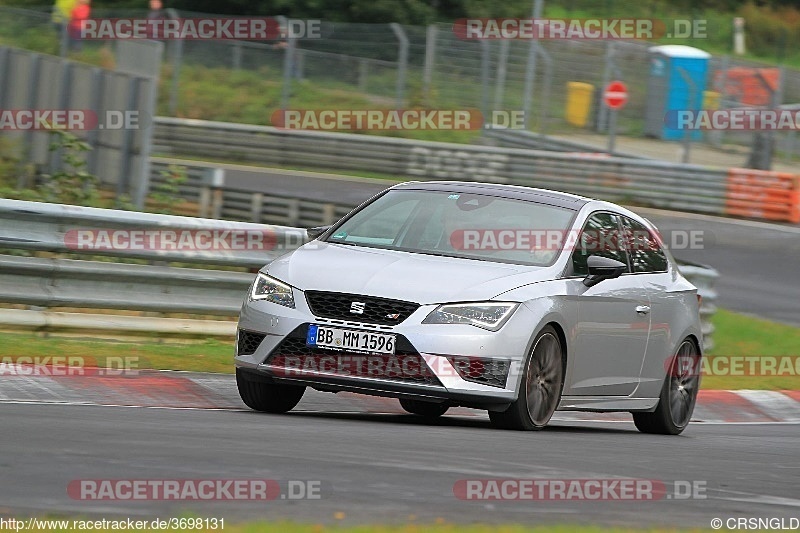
x=420, y=278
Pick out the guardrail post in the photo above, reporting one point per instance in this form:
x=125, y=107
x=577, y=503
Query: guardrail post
x=328, y=214
x=216, y=202
x=236, y=60
x=402, y=62
x=205, y=202
x=292, y=211
x=211, y=193
x=256, y=203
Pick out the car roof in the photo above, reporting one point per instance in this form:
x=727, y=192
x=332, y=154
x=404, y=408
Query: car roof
x=516, y=192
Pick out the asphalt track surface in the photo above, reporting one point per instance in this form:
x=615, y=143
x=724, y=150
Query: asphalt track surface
x=759, y=263
x=387, y=467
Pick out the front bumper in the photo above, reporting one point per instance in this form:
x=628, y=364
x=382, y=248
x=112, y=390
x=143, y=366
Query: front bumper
x=433, y=345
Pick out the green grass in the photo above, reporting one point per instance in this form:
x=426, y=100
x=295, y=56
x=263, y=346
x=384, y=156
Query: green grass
x=736, y=335
x=739, y=334
x=205, y=356
x=251, y=96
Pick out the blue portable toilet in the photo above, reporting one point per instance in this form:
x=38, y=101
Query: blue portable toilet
x=668, y=90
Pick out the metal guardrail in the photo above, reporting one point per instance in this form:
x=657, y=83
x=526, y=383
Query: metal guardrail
x=99, y=285
x=773, y=196
x=207, y=189
x=88, y=230
x=90, y=284
x=704, y=278
x=73, y=283
x=511, y=138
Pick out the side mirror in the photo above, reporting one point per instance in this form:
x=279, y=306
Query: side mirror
x=602, y=268
x=313, y=233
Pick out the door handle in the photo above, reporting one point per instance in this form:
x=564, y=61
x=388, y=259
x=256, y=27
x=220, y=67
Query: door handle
x=642, y=309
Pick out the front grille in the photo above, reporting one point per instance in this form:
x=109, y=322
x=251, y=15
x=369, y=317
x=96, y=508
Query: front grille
x=248, y=342
x=293, y=355
x=339, y=305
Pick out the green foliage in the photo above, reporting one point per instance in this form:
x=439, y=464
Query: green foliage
x=123, y=202
x=72, y=184
x=772, y=26
x=13, y=173
x=770, y=31
x=165, y=195
x=415, y=92
x=8, y=163
x=248, y=95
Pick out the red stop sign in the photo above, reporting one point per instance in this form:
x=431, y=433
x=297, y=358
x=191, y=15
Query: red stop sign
x=615, y=95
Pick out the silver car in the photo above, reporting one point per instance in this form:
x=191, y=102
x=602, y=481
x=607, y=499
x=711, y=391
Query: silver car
x=515, y=300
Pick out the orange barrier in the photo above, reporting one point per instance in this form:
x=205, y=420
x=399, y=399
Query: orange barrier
x=763, y=194
x=748, y=86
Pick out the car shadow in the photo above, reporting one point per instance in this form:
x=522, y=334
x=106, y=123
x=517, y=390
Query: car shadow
x=456, y=421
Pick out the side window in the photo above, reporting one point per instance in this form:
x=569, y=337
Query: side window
x=645, y=252
x=599, y=236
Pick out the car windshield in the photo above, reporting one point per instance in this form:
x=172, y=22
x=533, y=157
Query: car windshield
x=471, y=226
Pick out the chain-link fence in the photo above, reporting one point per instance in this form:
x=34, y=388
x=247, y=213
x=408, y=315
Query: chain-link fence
x=368, y=66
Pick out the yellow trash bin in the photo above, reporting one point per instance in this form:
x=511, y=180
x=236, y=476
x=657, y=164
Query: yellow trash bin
x=710, y=100
x=579, y=103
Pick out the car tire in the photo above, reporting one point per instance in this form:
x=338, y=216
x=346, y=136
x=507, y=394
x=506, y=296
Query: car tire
x=267, y=397
x=424, y=409
x=678, y=394
x=540, y=387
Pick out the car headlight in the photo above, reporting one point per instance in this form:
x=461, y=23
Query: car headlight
x=486, y=315
x=272, y=290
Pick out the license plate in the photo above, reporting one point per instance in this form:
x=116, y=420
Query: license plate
x=348, y=339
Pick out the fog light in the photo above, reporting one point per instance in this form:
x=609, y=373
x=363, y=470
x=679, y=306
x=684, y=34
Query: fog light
x=483, y=370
